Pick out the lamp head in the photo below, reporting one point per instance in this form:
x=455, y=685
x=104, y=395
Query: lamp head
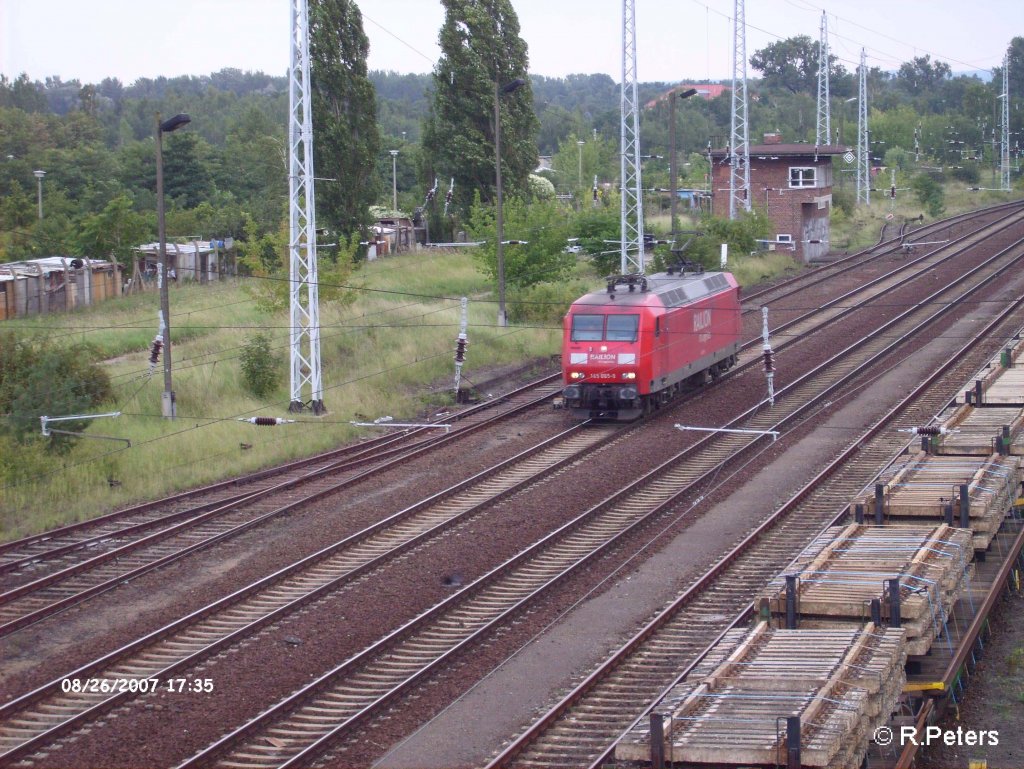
x=513, y=86
x=687, y=93
x=174, y=123
x=39, y=174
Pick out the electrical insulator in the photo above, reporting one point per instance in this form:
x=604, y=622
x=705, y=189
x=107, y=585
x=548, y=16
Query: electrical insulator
x=929, y=430
x=267, y=421
x=769, y=362
x=460, y=348
x=892, y=192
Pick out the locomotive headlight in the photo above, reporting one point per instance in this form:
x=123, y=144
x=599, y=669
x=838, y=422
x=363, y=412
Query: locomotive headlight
x=629, y=375
x=576, y=375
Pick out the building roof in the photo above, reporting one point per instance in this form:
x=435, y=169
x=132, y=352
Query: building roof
x=705, y=91
x=773, y=151
x=47, y=265
x=173, y=249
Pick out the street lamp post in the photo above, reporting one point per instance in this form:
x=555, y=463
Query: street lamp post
x=499, y=91
x=167, y=405
x=579, y=177
x=394, y=179
x=672, y=151
x=39, y=176
x=394, y=199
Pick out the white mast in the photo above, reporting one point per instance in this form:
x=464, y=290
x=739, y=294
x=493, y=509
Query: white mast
x=863, y=147
x=1004, y=153
x=632, y=214
x=304, y=296
x=824, y=131
x=739, y=142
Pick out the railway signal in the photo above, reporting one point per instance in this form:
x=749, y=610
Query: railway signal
x=461, y=343
x=769, y=358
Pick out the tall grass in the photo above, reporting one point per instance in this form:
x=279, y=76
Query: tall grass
x=388, y=353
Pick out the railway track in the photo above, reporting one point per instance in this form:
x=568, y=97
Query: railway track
x=48, y=712
x=582, y=729
x=53, y=549
x=834, y=310
x=304, y=726
x=21, y=717
x=140, y=547
x=827, y=272
x=45, y=574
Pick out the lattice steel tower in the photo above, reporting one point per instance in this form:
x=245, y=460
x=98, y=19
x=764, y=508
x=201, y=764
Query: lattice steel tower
x=632, y=215
x=863, y=146
x=739, y=138
x=1004, y=152
x=823, y=135
x=304, y=294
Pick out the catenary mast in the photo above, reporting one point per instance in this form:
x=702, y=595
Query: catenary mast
x=863, y=146
x=824, y=132
x=632, y=215
x=304, y=295
x=739, y=141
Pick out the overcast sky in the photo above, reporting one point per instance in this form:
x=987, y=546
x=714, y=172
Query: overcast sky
x=677, y=39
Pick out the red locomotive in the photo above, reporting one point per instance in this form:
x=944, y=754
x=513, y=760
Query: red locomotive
x=630, y=349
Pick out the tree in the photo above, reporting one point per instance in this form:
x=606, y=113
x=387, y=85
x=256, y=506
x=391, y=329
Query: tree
x=39, y=377
x=186, y=176
x=114, y=231
x=920, y=74
x=346, y=139
x=480, y=50
x=930, y=194
x=542, y=226
x=793, y=64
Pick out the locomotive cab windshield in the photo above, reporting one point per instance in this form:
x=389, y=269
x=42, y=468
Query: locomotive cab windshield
x=604, y=328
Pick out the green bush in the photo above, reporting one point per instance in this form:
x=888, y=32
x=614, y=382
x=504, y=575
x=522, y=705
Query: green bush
x=258, y=366
x=38, y=377
x=545, y=303
x=930, y=194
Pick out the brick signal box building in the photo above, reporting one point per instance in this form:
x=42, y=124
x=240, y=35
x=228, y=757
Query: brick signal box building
x=792, y=185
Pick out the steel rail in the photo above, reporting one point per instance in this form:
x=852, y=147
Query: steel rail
x=365, y=451
x=862, y=257
x=219, y=534
x=318, y=575
x=497, y=611
x=953, y=363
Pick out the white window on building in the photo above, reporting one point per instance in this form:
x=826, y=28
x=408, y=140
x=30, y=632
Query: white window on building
x=783, y=238
x=802, y=176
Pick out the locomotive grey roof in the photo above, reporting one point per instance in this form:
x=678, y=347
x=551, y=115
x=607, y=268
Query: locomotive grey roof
x=672, y=290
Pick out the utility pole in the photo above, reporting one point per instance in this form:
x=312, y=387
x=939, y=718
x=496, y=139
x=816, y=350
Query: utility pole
x=863, y=147
x=579, y=173
x=168, y=406
x=39, y=177
x=739, y=141
x=1004, y=150
x=824, y=130
x=631, y=225
x=304, y=300
x=673, y=159
x=394, y=180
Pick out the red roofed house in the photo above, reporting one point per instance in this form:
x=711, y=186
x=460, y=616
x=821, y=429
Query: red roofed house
x=707, y=91
x=792, y=185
